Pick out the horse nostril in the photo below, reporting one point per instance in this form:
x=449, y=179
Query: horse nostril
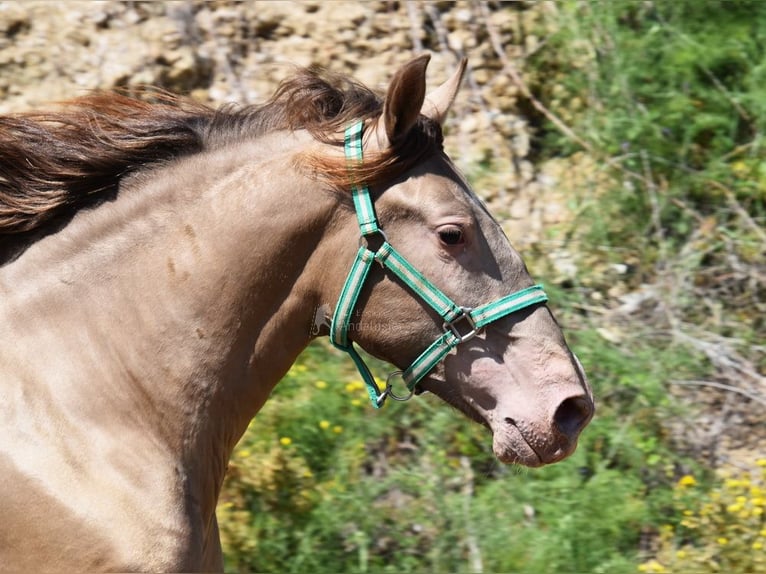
x=572, y=415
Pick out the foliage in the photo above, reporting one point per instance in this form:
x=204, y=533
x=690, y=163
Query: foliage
x=670, y=96
x=721, y=529
x=323, y=483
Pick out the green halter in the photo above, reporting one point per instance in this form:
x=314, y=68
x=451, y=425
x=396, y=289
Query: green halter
x=460, y=323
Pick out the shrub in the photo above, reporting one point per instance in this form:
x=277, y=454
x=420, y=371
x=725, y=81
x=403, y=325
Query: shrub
x=716, y=529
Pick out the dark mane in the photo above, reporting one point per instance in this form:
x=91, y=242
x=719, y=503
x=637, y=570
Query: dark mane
x=54, y=163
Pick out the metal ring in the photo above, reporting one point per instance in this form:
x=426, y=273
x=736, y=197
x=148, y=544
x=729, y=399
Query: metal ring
x=364, y=239
x=390, y=388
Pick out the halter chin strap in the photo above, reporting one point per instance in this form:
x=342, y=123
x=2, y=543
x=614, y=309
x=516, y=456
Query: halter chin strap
x=460, y=324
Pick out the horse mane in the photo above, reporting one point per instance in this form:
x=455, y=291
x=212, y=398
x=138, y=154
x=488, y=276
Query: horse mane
x=54, y=163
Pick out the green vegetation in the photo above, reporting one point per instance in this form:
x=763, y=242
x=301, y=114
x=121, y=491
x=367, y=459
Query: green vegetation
x=722, y=529
x=669, y=97
x=322, y=483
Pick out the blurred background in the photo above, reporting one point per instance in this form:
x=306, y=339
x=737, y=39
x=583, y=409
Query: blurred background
x=621, y=146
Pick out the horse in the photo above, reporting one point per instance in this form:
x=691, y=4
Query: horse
x=162, y=263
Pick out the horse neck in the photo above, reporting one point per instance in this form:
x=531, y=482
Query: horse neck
x=188, y=298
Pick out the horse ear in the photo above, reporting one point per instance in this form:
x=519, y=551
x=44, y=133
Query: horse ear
x=438, y=102
x=404, y=98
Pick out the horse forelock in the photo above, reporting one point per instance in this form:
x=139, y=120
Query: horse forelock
x=52, y=164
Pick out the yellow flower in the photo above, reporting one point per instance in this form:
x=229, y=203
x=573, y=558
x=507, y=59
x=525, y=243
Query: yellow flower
x=687, y=480
x=761, y=462
x=731, y=483
x=681, y=554
x=757, y=545
x=320, y=385
x=285, y=441
x=652, y=567
x=734, y=508
x=739, y=168
x=353, y=386
x=356, y=403
x=324, y=425
x=244, y=453
x=723, y=541
x=337, y=429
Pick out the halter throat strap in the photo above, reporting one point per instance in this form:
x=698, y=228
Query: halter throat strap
x=460, y=324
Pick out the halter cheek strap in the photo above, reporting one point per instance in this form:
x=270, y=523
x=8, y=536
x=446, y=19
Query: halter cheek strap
x=460, y=324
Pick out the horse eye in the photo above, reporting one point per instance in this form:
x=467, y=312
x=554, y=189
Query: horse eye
x=451, y=235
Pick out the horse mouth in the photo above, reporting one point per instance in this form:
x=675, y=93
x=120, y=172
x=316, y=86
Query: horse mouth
x=510, y=446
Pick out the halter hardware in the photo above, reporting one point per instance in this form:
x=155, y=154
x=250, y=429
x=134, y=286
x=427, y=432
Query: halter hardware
x=460, y=324
x=452, y=326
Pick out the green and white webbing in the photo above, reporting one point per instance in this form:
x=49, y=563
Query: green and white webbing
x=459, y=323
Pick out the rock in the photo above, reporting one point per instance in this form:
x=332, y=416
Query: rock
x=226, y=51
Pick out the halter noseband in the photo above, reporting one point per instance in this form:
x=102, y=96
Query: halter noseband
x=460, y=323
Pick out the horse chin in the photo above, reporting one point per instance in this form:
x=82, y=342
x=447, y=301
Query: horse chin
x=510, y=447
x=528, y=459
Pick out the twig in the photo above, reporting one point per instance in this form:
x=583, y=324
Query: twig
x=741, y=211
x=497, y=46
x=722, y=386
x=651, y=189
x=722, y=357
x=474, y=550
x=516, y=78
x=415, y=25
x=441, y=30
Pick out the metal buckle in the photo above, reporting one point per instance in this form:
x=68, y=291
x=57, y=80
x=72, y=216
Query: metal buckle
x=465, y=315
x=389, y=392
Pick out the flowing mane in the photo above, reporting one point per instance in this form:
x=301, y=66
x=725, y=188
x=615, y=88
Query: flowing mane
x=54, y=163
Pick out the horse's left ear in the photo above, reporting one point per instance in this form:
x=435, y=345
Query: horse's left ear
x=404, y=98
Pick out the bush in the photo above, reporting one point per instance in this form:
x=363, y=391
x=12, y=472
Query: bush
x=670, y=96
x=717, y=529
x=322, y=483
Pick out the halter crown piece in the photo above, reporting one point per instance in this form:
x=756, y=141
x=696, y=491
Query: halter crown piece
x=460, y=323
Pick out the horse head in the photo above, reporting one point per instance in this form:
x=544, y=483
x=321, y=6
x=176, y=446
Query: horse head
x=514, y=372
